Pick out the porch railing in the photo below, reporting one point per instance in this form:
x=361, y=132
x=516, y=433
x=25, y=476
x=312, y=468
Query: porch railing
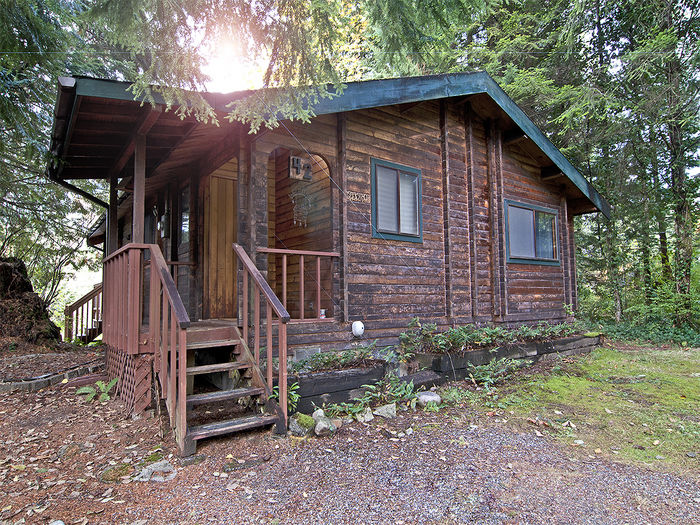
x=302, y=254
x=83, y=318
x=255, y=283
x=167, y=327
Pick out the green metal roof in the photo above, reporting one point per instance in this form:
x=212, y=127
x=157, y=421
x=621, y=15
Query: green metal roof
x=386, y=92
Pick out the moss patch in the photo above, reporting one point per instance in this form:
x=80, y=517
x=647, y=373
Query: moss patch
x=115, y=473
x=152, y=457
x=305, y=421
x=638, y=404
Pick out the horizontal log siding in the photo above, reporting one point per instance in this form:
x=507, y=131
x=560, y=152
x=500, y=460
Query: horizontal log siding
x=390, y=279
x=533, y=289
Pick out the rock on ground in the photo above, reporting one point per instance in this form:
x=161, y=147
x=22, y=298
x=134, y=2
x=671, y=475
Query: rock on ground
x=386, y=411
x=424, y=398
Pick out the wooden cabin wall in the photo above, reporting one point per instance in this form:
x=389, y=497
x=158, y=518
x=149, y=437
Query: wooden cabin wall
x=388, y=279
x=533, y=291
x=459, y=273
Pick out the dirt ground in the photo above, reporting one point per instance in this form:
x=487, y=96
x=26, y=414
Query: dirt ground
x=20, y=360
x=63, y=459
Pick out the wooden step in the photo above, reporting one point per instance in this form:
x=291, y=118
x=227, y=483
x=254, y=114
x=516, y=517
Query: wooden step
x=211, y=330
x=216, y=367
x=230, y=426
x=222, y=395
x=203, y=345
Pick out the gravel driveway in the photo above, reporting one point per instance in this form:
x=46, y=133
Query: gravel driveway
x=454, y=467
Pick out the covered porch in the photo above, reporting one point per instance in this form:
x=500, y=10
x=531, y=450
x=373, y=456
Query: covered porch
x=202, y=223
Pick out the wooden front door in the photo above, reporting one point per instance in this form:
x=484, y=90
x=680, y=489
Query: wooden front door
x=220, y=226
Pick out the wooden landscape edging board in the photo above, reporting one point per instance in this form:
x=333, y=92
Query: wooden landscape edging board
x=334, y=386
x=37, y=383
x=452, y=364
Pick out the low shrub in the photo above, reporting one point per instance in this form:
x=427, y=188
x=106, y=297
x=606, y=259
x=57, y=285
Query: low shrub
x=426, y=338
x=652, y=332
x=354, y=357
x=390, y=389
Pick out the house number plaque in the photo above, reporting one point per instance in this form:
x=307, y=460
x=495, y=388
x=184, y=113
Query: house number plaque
x=358, y=197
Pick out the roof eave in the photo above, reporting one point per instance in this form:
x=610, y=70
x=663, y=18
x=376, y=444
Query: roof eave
x=374, y=93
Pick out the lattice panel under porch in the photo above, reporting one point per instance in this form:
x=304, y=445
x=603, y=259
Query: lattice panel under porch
x=134, y=373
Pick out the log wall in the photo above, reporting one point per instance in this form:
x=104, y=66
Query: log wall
x=458, y=274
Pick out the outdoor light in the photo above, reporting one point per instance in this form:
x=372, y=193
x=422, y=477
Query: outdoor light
x=358, y=328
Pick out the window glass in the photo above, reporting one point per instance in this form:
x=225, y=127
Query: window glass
x=521, y=233
x=544, y=235
x=531, y=233
x=387, y=213
x=408, y=194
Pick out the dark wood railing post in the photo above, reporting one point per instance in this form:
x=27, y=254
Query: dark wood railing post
x=68, y=328
x=268, y=342
x=318, y=287
x=282, y=380
x=284, y=280
x=301, y=287
x=246, y=298
x=256, y=324
x=153, y=312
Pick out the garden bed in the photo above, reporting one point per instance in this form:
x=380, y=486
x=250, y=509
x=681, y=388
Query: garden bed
x=456, y=365
x=336, y=386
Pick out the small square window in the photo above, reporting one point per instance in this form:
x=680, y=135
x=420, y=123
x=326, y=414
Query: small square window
x=531, y=234
x=396, y=198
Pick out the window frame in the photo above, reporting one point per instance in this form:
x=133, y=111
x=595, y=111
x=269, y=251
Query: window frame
x=533, y=260
x=396, y=236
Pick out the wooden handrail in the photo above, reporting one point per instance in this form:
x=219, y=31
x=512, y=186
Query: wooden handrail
x=83, y=318
x=127, y=247
x=286, y=254
x=125, y=287
x=97, y=290
x=298, y=252
x=174, y=298
x=260, y=281
x=273, y=307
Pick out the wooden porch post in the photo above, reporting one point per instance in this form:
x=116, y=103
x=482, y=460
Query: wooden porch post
x=112, y=216
x=137, y=227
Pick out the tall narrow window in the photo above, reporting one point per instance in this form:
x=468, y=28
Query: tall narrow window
x=531, y=234
x=396, y=197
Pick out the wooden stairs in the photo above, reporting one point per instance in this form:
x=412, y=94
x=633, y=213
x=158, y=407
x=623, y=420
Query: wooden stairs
x=226, y=391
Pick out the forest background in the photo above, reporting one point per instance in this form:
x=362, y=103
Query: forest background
x=614, y=84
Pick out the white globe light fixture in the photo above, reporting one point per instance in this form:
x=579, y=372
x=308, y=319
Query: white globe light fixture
x=358, y=328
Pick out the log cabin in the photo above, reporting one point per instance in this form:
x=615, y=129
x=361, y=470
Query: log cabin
x=432, y=197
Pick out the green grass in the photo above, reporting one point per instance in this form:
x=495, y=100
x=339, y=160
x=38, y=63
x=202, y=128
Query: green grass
x=635, y=405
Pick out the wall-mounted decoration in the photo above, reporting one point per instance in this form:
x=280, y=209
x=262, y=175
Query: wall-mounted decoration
x=301, y=203
x=299, y=168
